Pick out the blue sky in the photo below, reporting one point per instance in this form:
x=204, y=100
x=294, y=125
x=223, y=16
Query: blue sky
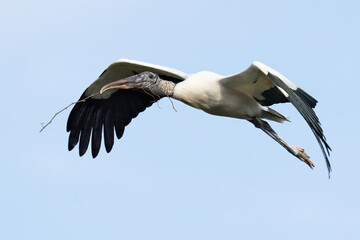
x=184, y=174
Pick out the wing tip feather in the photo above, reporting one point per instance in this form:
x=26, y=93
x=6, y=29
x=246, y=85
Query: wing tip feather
x=305, y=103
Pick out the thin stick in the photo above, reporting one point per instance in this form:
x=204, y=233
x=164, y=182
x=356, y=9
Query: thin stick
x=82, y=100
x=154, y=99
x=172, y=103
x=173, y=106
x=157, y=102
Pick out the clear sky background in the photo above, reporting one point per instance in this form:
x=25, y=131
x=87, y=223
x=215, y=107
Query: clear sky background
x=185, y=174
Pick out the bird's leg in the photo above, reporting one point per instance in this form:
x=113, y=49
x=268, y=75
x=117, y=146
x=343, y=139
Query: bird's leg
x=296, y=151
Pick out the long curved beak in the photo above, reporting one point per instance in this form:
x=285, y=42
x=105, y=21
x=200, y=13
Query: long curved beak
x=127, y=83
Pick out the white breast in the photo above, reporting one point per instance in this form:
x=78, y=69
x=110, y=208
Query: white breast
x=200, y=90
x=204, y=91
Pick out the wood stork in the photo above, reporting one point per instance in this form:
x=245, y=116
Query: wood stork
x=128, y=87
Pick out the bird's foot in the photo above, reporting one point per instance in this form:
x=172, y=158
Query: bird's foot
x=300, y=153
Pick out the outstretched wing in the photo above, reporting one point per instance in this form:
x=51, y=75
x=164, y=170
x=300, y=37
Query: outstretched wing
x=113, y=109
x=268, y=87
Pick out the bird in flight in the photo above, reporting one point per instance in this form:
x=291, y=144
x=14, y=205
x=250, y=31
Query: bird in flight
x=128, y=87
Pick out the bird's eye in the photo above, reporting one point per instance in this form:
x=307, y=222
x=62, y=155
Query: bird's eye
x=151, y=76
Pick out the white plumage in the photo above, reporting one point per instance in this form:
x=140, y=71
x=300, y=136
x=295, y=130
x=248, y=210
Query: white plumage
x=127, y=87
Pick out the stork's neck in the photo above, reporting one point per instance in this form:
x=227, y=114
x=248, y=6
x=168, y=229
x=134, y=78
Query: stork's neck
x=165, y=88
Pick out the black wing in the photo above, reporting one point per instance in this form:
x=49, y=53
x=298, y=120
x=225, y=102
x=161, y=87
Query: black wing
x=268, y=87
x=92, y=116
x=104, y=114
x=271, y=96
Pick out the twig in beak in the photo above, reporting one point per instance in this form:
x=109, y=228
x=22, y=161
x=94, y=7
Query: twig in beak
x=82, y=100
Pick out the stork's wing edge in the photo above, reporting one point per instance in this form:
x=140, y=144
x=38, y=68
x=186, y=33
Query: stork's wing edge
x=303, y=102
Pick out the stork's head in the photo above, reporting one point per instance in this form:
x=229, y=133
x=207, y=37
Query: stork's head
x=146, y=81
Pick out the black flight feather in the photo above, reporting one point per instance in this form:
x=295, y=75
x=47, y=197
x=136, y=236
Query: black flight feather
x=304, y=103
x=87, y=119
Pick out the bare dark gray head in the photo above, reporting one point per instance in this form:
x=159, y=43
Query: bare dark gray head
x=145, y=81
